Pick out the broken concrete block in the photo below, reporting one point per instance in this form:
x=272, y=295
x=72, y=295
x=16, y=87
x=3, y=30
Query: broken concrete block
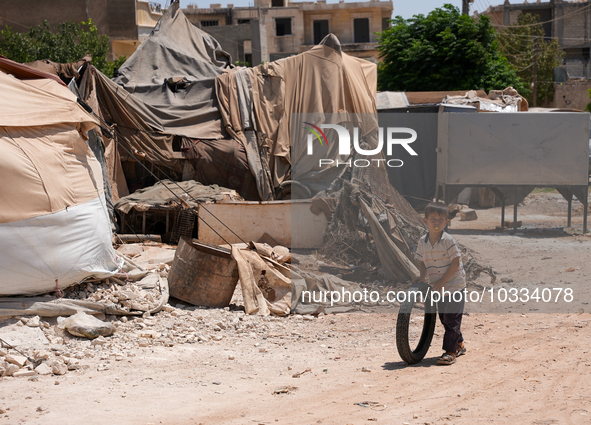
x=98, y=341
x=24, y=372
x=43, y=369
x=59, y=368
x=16, y=360
x=84, y=325
x=468, y=215
x=41, y=355
x=33, y=322
x=11, y=369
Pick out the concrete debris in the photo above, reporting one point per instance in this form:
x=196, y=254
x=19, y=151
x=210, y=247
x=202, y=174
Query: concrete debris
x=41, y=355
x=58, y=368
x=43, y=369
x=84, y=325
x=11, y=369
x=20, y=361
x=33, y=322
x=24, y=372
x=468, y=215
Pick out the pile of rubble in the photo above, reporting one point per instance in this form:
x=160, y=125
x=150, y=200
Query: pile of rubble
x=62, y=353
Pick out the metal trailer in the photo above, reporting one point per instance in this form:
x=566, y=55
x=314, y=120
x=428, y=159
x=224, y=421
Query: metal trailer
x=513, y=153
x=417, y=179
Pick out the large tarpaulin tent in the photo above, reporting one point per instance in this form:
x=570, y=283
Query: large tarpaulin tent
x=54, y=225
x=173, y=72
x=163, y=103
x=258, y=104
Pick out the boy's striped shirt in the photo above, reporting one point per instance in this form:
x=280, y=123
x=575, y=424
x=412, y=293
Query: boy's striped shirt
x=438, y=257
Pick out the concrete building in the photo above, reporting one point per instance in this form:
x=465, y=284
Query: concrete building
x=290, y=28
x=125, y=22
x=567, y=21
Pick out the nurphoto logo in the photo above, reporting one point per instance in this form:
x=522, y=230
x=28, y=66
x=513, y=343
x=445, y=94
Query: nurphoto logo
x=344, y=145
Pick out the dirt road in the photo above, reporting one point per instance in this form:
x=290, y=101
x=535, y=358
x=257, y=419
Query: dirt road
x=531, y=368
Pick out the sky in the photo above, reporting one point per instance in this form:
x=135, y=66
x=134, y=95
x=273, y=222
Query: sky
x=405, y=8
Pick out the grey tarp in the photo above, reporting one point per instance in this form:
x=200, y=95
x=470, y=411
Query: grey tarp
x=173, y=72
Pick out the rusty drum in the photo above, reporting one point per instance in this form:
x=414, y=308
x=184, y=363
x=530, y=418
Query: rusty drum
x=203, y=274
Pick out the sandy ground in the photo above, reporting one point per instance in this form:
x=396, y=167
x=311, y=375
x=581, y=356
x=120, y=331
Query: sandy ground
x=521, y=367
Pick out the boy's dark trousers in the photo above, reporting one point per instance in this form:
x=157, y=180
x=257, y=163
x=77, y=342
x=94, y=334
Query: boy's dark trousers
x=450, y=314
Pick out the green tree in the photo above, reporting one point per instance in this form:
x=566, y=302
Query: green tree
x=67, y=43
x=522, y=44
x=444, y=50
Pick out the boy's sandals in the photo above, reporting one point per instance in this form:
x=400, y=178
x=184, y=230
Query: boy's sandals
x=446, y=359
x=461, y=351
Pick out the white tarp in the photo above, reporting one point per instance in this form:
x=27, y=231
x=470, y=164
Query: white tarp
x=54, y=226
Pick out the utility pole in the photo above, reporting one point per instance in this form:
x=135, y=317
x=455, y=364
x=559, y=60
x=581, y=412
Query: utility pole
x=535, y=72
x=466, y=7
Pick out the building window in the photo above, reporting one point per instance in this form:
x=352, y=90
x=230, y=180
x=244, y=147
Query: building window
x=210, y=23
x=320, y=30
x=243, y=21
x=361, y=30
x=385, y=24
x=283, y=26
x=277, y=3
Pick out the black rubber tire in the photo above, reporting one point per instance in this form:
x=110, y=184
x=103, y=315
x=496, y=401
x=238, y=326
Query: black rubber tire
x=291, y=189
x=409, y=354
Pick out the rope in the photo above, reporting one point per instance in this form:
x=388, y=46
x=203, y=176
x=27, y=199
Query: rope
x=182, y=202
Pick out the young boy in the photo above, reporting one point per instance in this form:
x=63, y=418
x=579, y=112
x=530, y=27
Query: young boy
x=440, y=260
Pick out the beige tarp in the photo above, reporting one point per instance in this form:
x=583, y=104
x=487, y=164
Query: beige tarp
x=270, y=287
x=321, y=80
x=45, y=165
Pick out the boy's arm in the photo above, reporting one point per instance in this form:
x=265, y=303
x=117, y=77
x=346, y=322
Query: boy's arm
x=422, y=271
x=453, y=267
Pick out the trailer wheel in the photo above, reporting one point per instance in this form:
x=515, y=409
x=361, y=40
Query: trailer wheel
x=415, y=325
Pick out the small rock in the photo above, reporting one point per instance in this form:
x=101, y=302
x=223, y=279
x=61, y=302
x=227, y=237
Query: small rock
x=216, y=383
x=102, y=367
x=149, y=334
x=58, y=368
x=2, y=352
x=41, y=355
x=20, y=361
x=33, y=322
x=217, y=328
x=98, y=341
x=43, y=369
x=468, y=215
x=11, y=369
x=365, y=369
x=218, y=337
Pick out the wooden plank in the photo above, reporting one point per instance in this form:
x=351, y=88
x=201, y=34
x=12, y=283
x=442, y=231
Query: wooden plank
x=291, y=224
